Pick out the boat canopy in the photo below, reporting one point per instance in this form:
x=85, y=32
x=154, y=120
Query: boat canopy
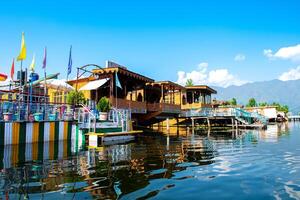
x=58, y=84
x=93, y=85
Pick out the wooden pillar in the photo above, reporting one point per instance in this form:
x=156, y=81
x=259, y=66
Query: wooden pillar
x=208, y=123
x=168, y=124
x=180, y=97
x=173, y=95
x=193, y=123
x=232, y=123
x=193, y=96
x=162, y=94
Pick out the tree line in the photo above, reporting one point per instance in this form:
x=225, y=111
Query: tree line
x=253, y=103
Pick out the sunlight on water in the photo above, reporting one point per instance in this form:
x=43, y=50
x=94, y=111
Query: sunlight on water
x=183, y=164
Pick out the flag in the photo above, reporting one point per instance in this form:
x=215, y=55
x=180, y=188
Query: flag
x=118, y=84
x=70, y=62
x=3, y=77
x=32, y=65
x=22, y=54
x=45, y=59
x=12, y=70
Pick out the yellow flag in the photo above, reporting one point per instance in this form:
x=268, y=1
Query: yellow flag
x=32, y=65
x=22, y=54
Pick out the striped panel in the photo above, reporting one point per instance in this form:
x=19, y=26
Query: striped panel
x=66, y=130
x=51, y=150
x=8, y=134
x=35, y=132
x=40, y=150
x=61, y=130
x=28, y=152
x=35, y=147
x=65, y=148
x=22, y=133
x=2, y=133
x=56, y=131
x=14, y=154
x=51, y=131
x=29, y=133
x=61, y=149
x=46, y=150
x=7, y=156
x=71, y=138
x=1, y=155
x=15, y=133
x=47, y=130
x=56, y=139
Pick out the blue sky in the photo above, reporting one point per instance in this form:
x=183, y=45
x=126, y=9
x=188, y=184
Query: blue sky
x=158, y=38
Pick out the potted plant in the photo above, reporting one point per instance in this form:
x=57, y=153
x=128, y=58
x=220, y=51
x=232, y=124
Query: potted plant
x=38, y=116
x=103, y=107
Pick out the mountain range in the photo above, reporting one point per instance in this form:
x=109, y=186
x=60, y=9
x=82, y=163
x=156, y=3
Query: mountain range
x=283, y=92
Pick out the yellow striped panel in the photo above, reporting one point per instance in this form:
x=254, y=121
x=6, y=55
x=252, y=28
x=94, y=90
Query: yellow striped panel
x=35, y=132
x=51, y=150
x=66, y=130
x=65, y=148
x=14, y=154
x=35, y=149
x=15, y=133
x=51, y=131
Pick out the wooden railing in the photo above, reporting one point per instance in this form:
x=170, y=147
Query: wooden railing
x=195, y=106
x=134, y=106
x=163, y=107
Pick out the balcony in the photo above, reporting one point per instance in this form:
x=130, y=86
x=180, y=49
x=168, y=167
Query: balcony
x=164, y=108
x=134, y=106
x=189, y=106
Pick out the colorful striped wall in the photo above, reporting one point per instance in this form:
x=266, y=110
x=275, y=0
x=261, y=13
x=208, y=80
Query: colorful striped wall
x=31, y=132
x=18, y=154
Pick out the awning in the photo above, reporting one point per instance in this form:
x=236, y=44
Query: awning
x=57, y=84
x=93, y=85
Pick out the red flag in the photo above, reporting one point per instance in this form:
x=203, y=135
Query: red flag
x=12, y=70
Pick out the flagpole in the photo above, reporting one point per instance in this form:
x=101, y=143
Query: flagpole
x=116, y=90
x=45, y=92
x=20, y=89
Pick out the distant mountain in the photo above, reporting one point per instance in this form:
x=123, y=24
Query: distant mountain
x=284, y=92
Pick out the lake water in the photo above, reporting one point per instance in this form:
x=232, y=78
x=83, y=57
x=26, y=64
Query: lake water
x=183, y=164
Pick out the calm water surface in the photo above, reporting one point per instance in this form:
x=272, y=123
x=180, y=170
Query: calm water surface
x=184, y=165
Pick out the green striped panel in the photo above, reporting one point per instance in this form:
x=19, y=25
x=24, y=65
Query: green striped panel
x=41, y=141
x=56, y=139
x=2, y=132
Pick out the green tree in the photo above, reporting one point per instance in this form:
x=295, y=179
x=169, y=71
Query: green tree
x=251, y=103
x=233, y=102
x=75, y=98
x=262, y=104
x=281, y=108
x=189, y=82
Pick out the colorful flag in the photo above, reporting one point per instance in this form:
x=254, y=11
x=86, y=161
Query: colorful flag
x=3, y=77
x=22, y=54
x=12, y=70
x=118, y=84
x=70, y=62
x=32, y=65
x=45, y=59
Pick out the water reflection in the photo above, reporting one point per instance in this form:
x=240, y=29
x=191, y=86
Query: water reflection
x=178, y=164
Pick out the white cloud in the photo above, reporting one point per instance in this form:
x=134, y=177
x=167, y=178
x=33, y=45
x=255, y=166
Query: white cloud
x=239, y=57
x=292, y=74
x=218, y=77
x=203, y=65
x=287, y=53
